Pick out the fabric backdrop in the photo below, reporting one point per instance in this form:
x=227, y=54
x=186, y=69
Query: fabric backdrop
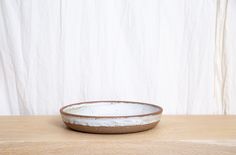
x=177, y=54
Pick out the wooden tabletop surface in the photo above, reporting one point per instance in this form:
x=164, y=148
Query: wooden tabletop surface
x=174, y=135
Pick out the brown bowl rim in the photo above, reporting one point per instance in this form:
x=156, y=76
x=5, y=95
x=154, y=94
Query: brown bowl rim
x=89, y=102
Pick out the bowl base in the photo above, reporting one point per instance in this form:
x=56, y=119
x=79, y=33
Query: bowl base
x=111, y=130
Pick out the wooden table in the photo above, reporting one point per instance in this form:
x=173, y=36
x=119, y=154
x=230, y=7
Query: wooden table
x=185, y=135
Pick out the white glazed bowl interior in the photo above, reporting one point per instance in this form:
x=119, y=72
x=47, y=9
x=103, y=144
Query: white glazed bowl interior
x=110, y=109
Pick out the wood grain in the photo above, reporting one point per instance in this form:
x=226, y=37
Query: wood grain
x=174, y=135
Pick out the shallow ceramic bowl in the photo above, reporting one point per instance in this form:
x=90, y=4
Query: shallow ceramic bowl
x=111, y=116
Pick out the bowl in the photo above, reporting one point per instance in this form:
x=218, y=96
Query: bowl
x=111, y=116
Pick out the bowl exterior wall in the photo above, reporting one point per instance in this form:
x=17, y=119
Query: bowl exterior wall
x=112, y=130
x=111, y=125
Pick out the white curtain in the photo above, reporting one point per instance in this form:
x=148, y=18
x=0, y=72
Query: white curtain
x=180, y=54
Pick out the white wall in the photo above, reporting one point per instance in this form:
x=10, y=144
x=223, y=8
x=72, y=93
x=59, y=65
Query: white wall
x=178, y=54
